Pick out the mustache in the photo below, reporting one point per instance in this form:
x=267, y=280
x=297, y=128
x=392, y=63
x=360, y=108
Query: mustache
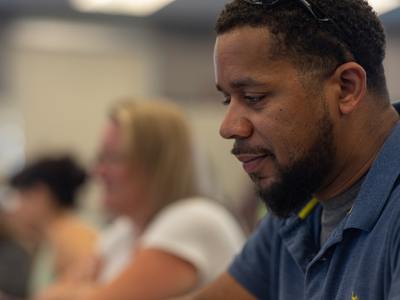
x=241, y=147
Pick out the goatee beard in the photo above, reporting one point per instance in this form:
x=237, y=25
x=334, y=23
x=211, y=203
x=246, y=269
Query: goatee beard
x=303, y=178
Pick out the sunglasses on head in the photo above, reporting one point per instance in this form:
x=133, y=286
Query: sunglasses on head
x=316, y=13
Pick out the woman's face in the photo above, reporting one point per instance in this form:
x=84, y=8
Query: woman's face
x=123, y=183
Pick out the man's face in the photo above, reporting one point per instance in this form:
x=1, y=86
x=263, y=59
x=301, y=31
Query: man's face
x=282, y=130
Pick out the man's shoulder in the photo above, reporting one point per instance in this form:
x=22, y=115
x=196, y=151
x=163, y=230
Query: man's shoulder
x=269, y=226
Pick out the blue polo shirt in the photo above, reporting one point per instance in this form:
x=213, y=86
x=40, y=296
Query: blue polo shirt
x=360, y=260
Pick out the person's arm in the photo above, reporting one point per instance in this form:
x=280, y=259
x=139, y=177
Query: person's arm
x=73, y=242
x=225, y=287
x=153, y=274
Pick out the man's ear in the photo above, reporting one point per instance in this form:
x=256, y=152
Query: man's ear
x=352, y=80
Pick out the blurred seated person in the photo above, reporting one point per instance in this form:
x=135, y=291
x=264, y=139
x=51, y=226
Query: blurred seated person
x=168, y=240
x=43, y=216
x=15, y=263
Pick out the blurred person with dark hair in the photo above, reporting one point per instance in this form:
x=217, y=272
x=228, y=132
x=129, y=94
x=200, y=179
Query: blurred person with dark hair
x=178, y=240
x=15, y=263
x=43, y=216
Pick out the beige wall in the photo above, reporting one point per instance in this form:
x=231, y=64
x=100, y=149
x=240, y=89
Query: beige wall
x=392, y=66
x=63, y=77
x=63, y=85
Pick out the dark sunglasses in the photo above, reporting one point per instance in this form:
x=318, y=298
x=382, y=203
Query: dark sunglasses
x=313, y=10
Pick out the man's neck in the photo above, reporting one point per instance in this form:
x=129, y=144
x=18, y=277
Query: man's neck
x=358, y=160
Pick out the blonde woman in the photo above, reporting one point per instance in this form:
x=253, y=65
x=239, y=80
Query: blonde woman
x=178, y=240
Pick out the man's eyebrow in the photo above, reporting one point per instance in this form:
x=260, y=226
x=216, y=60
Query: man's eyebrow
x=242, y=83
x=245, y=82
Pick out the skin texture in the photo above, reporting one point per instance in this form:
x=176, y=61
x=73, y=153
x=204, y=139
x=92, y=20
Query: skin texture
x=273, y=109
x=279, y=128
x=263, y=109
x=266, y=110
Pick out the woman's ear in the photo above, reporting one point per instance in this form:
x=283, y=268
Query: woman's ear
x=352, y=80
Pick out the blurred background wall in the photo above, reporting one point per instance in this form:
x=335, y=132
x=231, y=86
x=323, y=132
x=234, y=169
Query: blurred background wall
x=60, y=69
x=391, y=22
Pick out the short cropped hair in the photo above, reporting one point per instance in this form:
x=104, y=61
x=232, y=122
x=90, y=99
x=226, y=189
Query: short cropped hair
x=62, y=175
x=314, y=46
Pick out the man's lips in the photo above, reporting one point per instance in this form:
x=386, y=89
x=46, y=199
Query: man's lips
x=251, y=162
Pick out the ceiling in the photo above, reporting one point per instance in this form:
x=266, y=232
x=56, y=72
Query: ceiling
x=184, y=15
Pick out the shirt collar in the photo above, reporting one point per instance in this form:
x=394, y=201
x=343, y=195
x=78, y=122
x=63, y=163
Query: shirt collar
x=377, y=186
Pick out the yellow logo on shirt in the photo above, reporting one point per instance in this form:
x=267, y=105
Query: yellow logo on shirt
x=354, y=297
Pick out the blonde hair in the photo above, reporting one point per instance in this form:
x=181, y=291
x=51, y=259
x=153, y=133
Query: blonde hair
x=156, y=135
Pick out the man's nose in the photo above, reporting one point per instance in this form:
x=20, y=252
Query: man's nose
x=236, y=125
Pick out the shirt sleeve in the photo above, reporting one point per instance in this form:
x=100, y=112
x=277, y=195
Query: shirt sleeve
x=252, y=266
x=201, y=232
x=394, y=292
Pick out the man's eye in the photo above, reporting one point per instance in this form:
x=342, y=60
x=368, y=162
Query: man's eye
x=254, y=99
x=227, y=100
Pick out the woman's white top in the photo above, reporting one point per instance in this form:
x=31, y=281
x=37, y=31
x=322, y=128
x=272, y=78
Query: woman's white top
x=116, y=248
x=197, y=230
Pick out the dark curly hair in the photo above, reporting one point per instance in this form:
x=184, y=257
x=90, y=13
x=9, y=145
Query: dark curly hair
x=62, y=175
x=313, y=46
